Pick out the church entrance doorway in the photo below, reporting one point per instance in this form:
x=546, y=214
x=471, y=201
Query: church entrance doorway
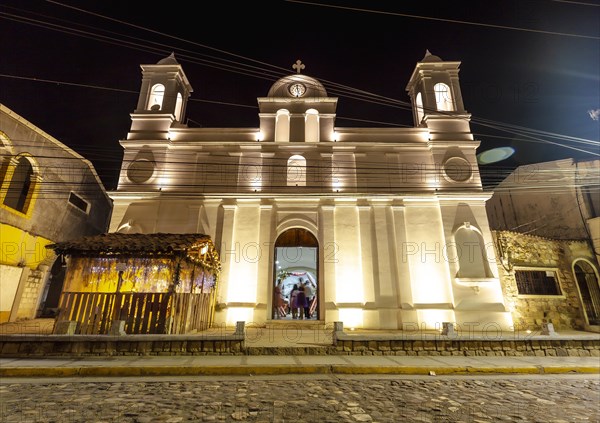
x=296, y=268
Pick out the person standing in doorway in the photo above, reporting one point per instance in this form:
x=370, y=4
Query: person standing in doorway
x=310, y=291
x=301, y=301
x=279, y=302
x=294, y=301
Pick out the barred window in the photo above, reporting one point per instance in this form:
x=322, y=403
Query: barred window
x=537, y=282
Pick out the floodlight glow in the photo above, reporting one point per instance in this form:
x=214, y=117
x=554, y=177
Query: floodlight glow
x=239, y=314
x=352, y=317
x=336, y=184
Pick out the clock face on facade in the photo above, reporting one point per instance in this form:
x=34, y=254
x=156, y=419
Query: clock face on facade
x=297, y=89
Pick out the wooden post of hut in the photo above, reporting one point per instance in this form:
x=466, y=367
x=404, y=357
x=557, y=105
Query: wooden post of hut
x=117, y=326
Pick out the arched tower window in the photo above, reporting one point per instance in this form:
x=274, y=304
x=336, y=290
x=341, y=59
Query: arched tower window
x=282, y=126
x=296, y=171
x=179, y=107
x=311, y=126
x=157, y=95
x=419, y=104
x=443, y=97
x=21, y=187
x=472, y=259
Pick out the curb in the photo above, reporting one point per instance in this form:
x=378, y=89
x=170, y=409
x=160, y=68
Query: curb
x=57, y=372
x=465, y=370
x=160, y=371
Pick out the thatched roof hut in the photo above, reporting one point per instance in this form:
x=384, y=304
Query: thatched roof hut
x=143, y=274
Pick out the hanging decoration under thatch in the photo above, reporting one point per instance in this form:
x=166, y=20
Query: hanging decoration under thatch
x=148, y=263
x=154, y=283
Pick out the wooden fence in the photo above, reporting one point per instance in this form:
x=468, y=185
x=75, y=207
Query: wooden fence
x=143, y=312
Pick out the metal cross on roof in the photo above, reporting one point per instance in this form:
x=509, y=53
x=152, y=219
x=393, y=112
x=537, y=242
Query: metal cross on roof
x=298, y=66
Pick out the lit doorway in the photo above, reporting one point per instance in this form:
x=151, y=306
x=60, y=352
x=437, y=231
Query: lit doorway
x=296, y=262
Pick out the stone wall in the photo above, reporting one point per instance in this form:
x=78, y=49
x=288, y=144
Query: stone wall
x=144, y=345
x=527, y=251
x=468, y=348
x=103, y=345
x=31, y=293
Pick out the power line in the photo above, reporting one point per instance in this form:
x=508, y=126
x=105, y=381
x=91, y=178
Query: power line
x=350, y=92
x=579, y=3
x=526, y=133
x=163, y=34
x=222, y=170
x=456, y=21
x=345, y=90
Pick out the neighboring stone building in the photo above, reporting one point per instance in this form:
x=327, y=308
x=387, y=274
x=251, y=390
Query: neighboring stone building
x=389, y=223
x=557, y=204
x=48, y=194
x=547, y=279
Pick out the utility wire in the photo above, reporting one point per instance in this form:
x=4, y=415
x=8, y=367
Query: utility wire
x=518, y=130
x=344, y=90
x=462, y=22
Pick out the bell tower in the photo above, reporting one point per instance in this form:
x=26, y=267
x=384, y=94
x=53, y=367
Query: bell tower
x=434, y=90
x=437, y=106
x=163, y=99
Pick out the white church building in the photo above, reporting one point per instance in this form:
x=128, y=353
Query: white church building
x=389, y=223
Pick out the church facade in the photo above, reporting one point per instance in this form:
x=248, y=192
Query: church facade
x=388, y=224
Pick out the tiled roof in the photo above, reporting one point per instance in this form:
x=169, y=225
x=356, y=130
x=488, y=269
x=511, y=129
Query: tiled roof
x=119, y=243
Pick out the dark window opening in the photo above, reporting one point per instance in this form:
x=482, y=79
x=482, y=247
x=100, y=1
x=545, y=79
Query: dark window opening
x=78, y=202
x=537, y=282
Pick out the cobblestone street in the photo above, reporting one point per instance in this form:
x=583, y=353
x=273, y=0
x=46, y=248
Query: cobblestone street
x=552, y=399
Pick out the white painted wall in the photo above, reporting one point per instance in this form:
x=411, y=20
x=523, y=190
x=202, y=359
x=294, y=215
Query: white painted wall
x=9, y=283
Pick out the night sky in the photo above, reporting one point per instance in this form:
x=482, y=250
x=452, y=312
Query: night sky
x=72, y=67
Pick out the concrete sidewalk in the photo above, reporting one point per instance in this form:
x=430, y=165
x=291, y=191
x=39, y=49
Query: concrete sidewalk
x=286, y=364
x=275, y=351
